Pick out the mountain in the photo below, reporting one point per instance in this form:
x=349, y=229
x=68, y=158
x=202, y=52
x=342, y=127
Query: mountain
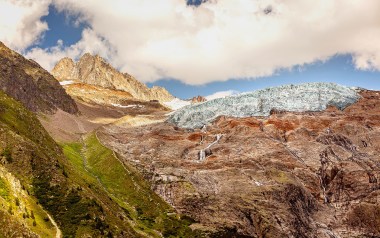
x=29, y=83
x=39, y=191
x=94, y=70
x=303, y=163
x=76, y=188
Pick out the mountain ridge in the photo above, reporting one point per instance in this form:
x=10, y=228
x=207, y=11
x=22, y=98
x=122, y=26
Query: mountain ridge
x=96, y=71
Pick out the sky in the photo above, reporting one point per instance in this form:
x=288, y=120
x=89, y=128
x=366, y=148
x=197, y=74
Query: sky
x=201, y=47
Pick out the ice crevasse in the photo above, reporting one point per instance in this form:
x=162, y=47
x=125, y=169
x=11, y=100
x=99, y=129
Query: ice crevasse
x=293, y=98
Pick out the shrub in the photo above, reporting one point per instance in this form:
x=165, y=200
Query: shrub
x=7, y=153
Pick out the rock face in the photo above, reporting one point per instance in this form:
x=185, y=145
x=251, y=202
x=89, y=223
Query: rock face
x=96, y=71
x=290, y=174
x=97, y=95
x=198, y=99
x=295, y=98
x=27, y=82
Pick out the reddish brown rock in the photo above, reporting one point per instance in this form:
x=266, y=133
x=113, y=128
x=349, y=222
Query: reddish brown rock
x=289, y=175
x=198, y=99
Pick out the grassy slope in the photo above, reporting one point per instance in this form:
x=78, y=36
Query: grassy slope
x=42, y=169
x=21, y=208
x=143, y=209
x=104, y=200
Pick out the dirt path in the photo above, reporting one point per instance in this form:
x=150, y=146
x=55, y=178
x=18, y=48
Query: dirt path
x=58, y=234
x=80, y=126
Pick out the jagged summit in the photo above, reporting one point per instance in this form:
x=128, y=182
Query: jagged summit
x=26, y=81
x=295, y=98
x=96, y=71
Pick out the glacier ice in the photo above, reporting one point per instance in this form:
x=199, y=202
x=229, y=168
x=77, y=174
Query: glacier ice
x=295, y=98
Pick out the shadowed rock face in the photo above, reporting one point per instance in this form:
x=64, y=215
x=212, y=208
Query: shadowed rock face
x=27, y=82
x=95, y=70
x=313, y=174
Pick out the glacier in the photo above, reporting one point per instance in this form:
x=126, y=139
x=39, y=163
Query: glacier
x=293, y=98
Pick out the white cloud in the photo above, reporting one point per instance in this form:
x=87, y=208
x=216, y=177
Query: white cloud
x=90, y=42
x=222, y=39
x=20, y=24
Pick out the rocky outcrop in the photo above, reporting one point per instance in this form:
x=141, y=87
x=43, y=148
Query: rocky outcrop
x=198, y=99
x=289, y=174
x=29, y=83
x=96, y=71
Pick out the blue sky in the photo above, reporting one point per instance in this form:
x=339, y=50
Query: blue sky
x=338, y=69
x=206, y=64
x=61, y=27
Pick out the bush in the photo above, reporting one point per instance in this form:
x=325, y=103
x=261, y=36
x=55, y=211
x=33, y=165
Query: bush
x=7, y=153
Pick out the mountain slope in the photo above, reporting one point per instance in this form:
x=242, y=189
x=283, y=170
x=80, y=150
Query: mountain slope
x=287, y=174
x=87, y=191
x=34, y=159
x=95, y=70
x=27, y=82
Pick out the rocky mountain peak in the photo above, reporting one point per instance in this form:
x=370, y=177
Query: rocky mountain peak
x=95, y=70
x=65, y=69
x=198, y=99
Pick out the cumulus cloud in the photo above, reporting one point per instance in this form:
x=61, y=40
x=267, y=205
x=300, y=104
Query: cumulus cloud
x=222, y=39
x=20, y=24
x=90, y=42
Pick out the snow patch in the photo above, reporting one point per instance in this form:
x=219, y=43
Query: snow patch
x=177, y=103
x=67, y=82
x=221, y=94
x=127, y=106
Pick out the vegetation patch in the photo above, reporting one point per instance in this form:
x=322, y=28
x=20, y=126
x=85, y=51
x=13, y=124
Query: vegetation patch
x=4, y=189
x=101, y=169
x=7, y=153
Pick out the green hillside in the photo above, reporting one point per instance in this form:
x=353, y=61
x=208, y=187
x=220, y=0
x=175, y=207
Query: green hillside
x=83, y=186
x=30, y=155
